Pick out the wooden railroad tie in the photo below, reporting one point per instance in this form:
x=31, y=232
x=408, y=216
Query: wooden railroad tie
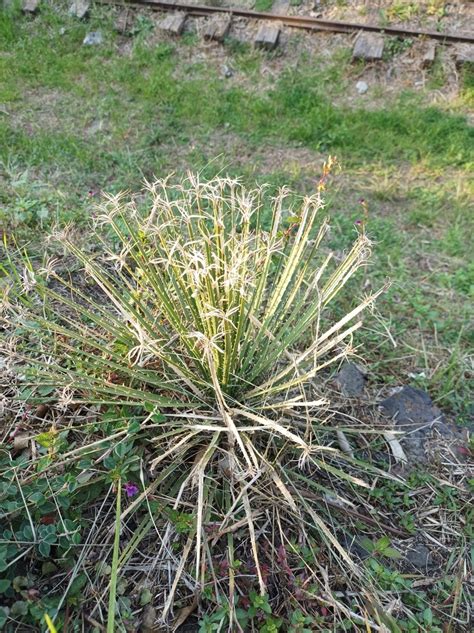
x=267, y=36
x=173, y=23
x=368, y=46
x=464, y=54
x=429, y=53
x=217, y=28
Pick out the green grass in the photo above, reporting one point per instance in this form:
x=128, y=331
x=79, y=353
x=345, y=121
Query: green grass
x=263, y=5
x=155, y=112
x=296, y=109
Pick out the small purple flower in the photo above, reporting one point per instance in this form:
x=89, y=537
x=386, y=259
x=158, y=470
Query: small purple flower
x=358, y=222
x=130, y=489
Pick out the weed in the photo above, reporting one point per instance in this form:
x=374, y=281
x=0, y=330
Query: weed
x=437, y=75
x=402, y=10
x=204, y=306
x=410, y=160
x=263, y=5
x=396, y=46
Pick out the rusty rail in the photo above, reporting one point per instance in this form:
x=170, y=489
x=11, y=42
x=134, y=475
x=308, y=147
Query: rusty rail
x=296, y=21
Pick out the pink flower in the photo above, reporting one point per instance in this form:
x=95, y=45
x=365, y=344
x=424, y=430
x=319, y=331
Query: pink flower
x=130, y=489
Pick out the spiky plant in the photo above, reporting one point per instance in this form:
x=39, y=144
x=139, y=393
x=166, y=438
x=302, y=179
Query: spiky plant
x=208, y=326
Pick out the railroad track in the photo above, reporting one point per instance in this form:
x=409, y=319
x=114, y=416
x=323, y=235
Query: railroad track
x=369, y=44
x=300, y=22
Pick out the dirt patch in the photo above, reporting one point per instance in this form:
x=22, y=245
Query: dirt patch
x=45, y=110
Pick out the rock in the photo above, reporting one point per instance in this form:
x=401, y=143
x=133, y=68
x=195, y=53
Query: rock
x=93, y=38
x=30, y=6
x=429, y=53
x=414, y=412
x=79, y=9
x=227, y=72
x=149, y=619
x=420, y=558
x=411, y=408
x=351, y=379
x=362, y=87
x=21, y=442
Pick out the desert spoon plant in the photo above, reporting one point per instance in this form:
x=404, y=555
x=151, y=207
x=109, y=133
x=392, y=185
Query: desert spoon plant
x=199, y=325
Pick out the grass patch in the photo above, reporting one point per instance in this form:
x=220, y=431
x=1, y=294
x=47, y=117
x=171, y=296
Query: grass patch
x=263, y=5
x=75, y=120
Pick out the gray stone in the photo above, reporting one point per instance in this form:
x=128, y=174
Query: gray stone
x=351, y=379
x=411, y=408
x=149, y=619
x=30, y=6
x=93, y=38
x=420, y=558
x=362, y=87
x=80, y=8
x=227, y=72
x=413, y=412
x=429, y=53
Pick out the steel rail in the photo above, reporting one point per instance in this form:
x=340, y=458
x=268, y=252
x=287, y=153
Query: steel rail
x=296, y=21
